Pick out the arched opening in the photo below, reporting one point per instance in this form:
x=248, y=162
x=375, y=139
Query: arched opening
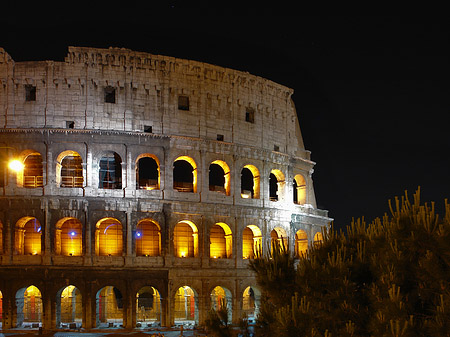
x=69, y=308
x=251, y=302
x=147, y=172
x=185, y=174
x=69, y=237
x=318, y=238
x=148, y=238
x=109, y=237
x=301, y=243
x=28, y=235
x=185, y=239
x=221, y=241
x=299, y=190
x=110, y=171
x=186, y=306
x=279, y=235
x=1, y=310
x=221, y=298
x=250, y=182
x=148, y=307
x=276, y=185
x=219, y=177
x=32, y=173
x=109, y=308
x=251, y=241
x=29, y=308
x=69, y=169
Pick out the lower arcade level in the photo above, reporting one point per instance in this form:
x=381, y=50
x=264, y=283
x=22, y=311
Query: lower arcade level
x=32, y=298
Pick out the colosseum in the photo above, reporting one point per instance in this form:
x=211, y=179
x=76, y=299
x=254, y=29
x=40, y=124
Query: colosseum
x=136, y=187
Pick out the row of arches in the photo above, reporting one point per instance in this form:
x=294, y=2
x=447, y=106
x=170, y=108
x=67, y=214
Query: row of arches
x=110, y=237
x=69, y=174
x=110, y=306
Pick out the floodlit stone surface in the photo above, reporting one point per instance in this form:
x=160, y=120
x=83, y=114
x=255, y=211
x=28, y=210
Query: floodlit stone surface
x=130, y=162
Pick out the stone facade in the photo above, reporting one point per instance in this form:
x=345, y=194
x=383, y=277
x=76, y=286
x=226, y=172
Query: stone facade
x=87, y=132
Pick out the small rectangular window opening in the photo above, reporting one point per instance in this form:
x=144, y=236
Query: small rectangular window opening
x=110, y=94
x=183, y=103
x=250, y=115
x=70, y=124
x=30, y=93
x=276, y=148
x=220, y=138
x=148, y=128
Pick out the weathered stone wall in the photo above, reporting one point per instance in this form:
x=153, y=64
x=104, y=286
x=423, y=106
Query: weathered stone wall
x=147, y=90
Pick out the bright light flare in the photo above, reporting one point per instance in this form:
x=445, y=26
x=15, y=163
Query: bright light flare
x=16, y=165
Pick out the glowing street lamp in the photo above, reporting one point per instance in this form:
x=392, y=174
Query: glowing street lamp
x=16, y=165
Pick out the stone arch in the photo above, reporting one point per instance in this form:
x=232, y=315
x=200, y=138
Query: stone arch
x=301, y=242
x=69, y=237
x=109, y=237
x=279, y=234
x=299, y=190
x=31, y=174
x=148, y=172
x=69, y=308
x=28, y=236
x=251, y=241
x=221, y=296
x=148, y=307
x=186, y=307
x=109, y=307
x=185, y=174
x=185, y=239
x=110, y=171
x=250, y=182
x=221, y=241
x=276, y=185
x=219, y=177
x=29, y=307
x=148, y=238
x=318, y=238
x=251, y=302
x=69, y=169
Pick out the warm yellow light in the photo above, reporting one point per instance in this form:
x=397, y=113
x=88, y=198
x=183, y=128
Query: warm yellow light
x=245, y=196
x=16, y=165
x=183, y=254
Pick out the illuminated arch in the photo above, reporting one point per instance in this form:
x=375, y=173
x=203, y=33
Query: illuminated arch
x=318, y=238
x=109, y=237
x=251, y=241
x=250, y=182
x=185, y=239
x=28, y=236
x=221, y=241
x=69, y=169
x=148, y=306
x=148, y=172
x=221, y=296
x=301, y=243
x=69, y=308
x=279, y=234
x=219, y=177
x=276, y=185
x=69, y=237
x=251, y=300
x=299, y=190
x=186, y=305
x=148, y=238
x=32, y=172
x=29, y=307
x=185, y=174
x=109, y=307
x=110, y=171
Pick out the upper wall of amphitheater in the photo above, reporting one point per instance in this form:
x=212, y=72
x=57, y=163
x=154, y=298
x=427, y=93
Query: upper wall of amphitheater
x=119, y=89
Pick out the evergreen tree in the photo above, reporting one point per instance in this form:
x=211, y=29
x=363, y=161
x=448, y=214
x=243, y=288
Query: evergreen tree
x=388, y=278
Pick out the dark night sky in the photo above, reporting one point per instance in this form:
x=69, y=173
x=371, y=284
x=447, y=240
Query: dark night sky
x=371, y=92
